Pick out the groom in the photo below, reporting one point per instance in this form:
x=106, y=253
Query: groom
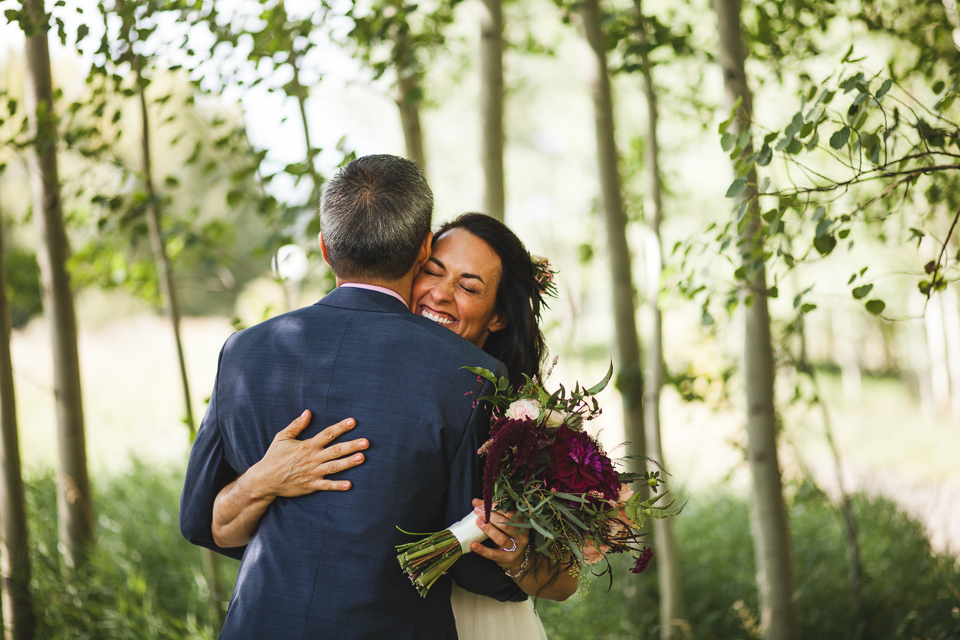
x=324, y=565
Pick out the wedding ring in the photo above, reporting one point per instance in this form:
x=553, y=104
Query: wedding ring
x=513, y=548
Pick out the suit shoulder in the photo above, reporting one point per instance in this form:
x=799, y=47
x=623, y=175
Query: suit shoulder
x=444, y=343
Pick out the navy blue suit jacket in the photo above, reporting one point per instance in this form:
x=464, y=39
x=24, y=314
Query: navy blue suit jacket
x=324, y=565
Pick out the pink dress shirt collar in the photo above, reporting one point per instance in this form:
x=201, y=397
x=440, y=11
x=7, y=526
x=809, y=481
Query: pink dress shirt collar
x=373, y=287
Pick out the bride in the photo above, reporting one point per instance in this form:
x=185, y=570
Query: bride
x=481, y=283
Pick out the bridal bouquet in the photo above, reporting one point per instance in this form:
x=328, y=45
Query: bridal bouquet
x=540, y=463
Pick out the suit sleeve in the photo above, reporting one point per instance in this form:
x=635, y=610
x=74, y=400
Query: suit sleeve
x=207, y=473
x=472, y=572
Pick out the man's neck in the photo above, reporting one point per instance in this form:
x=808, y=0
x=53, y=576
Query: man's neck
x=402, y=287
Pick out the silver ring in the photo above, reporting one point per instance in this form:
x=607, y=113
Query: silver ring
x=511, y=549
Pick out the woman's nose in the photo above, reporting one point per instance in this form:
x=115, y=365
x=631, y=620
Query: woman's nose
x=443, y=291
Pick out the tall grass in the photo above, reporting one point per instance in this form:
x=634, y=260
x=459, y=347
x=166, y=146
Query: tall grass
x=145, y=582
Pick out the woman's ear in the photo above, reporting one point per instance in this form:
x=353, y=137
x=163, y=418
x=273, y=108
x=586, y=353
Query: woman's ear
x=497, y=323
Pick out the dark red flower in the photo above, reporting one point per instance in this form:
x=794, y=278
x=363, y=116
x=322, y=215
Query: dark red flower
x=643, y=560
x=512, y=443
x=579, y=466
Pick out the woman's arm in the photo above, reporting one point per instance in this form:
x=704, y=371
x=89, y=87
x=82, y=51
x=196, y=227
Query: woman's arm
x=537, y=576
x=290, y=468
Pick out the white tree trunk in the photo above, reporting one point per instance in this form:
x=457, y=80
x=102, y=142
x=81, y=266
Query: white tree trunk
x=769, y=521
x=630, y=374
x=74, y=504
x=168, y=290
x=667, y=554
x=937, y=346
x=951, y=334
x=491, y=107
x=19, y=621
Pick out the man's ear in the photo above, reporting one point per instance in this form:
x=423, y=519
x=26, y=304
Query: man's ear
x=426, y=249
x=323, y=248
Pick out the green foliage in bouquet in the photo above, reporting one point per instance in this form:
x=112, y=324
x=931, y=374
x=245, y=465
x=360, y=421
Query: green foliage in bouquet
x=541, y=464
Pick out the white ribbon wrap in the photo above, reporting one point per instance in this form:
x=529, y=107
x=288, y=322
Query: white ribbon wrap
x=466, y=531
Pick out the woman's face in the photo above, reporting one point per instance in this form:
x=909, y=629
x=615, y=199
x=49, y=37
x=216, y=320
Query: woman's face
x=458, y=286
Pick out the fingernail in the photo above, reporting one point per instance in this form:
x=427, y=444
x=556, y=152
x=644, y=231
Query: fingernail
x=305, y=412
x=358, y=457
x=344, y=485
x=477, y=510
x=363, y=444
x=350, y=422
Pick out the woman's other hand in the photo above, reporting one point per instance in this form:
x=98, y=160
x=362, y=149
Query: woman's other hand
x=294, y=467
x=290, y=468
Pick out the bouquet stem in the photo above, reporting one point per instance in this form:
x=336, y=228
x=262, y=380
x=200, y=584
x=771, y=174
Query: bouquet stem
x=428, y=559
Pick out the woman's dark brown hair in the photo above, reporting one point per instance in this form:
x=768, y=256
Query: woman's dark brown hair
x=520, y=344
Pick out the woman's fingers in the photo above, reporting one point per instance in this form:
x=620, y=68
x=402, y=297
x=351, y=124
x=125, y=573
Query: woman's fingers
x=294, y=429
x=333, y=432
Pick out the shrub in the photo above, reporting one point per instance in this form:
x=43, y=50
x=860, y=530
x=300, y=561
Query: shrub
x=909, y=591
x=143, y=580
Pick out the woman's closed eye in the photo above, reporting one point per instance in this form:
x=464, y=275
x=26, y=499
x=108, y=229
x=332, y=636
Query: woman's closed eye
x=469, y=288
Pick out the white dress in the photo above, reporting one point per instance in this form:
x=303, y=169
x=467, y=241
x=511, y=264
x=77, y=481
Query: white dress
x=482, y=618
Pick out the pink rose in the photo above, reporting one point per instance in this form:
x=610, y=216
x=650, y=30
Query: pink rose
x=524, y=410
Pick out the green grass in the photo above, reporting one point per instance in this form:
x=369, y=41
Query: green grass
x=145, y=582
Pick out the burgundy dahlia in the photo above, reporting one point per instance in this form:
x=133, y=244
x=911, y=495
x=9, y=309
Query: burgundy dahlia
x=579, y=466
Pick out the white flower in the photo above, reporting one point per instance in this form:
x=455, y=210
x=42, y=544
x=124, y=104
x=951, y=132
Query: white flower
x=555, y=418
x=524, y=410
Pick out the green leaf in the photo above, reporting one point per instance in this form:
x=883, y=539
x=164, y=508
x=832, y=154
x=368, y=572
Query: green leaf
x=824, y=244
x=541, y=530
x=739, y=186
x=807, y=307
x=483, y=373
x=884, y=88
x=569, y=496
x=876, y=307
x=727, y=141
x=862, y=291
x=938, y=87
x=840, y=137
x=600, y=386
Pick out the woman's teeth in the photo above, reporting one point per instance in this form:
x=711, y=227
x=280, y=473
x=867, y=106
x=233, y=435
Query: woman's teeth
x=435, y=318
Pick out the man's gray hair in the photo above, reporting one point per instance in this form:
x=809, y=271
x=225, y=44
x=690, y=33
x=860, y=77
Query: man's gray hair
x=374, y=215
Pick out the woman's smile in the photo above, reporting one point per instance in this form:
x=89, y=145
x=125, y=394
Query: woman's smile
x=437, y=316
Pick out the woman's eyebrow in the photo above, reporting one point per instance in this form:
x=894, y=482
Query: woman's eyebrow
x=462, y=275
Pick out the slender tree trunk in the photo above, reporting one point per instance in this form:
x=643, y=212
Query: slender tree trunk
x=311, y=155
x=951, y=334
x=168, y=290
x=164, y=269
x=630, y=375
x=771, y=533
x=491, y=107
x=19, y=621
x=74, y=504
x=668, y=557
x=409, y=94
x=850, y=539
